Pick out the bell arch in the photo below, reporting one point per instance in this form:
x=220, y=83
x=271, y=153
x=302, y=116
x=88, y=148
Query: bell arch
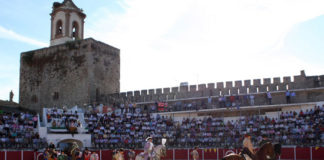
x=75, y=30
x=59, y=28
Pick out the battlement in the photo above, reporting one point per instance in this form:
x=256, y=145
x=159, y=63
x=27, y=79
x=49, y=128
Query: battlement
x=238, y=87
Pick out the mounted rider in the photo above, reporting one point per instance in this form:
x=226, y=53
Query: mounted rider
x=264, y=140
x=148, y=149
x=248, y=146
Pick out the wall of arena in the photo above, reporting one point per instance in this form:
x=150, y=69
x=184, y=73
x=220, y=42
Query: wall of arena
x=307, y=88
x=311, y=153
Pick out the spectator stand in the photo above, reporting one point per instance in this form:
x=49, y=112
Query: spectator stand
x=282, y=123
x=67, y=123
x=19, y=130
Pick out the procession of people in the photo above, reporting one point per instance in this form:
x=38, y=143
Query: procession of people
x=149, y=151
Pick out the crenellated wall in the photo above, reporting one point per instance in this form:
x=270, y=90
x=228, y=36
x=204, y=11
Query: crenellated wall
x=255, y=86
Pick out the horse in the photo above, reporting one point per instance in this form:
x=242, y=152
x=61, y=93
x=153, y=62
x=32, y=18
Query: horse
x=158, y=152
x=266, y=152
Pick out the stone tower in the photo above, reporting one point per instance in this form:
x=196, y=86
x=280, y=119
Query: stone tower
x=67, y=22
x=73, y=70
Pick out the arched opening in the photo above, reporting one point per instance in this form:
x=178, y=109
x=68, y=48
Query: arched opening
x=66, y=145
x=59, y=28
x=75, y=31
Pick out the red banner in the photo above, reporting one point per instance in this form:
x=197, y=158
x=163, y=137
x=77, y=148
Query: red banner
x=162, y=106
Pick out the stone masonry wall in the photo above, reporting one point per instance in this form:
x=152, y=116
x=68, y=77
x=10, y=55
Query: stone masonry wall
x=308, y=88
x=70, y=74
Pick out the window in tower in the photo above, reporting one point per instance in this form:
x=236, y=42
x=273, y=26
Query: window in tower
x=34, y=99
x=55, y=96
x=75, y=30
x=59, y=28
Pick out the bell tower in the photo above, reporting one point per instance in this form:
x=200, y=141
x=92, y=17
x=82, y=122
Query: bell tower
x=67, y=22
x=68, y=74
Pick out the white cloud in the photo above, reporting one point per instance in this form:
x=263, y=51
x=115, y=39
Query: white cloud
x=9, y=34
x=164, y=42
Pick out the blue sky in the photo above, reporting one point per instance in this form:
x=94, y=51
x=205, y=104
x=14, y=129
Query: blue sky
x=165, y=42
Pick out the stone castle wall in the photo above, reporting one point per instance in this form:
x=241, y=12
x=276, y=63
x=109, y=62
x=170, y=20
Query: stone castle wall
x=74, y=73
x=308, y=88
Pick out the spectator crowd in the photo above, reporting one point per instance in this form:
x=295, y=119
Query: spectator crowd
x=128, y=129
x=62, y=118
x=19, y=131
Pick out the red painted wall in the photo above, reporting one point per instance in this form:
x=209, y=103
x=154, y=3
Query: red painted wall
x=182, y=154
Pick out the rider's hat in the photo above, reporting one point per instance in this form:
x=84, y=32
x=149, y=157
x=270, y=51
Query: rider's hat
x=148, y=138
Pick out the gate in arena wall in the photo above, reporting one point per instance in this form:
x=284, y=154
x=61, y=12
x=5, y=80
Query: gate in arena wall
x=67, y=143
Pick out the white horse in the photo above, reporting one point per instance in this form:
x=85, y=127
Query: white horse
x=158, y=152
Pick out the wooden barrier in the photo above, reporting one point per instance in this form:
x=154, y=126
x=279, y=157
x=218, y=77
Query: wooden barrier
x=306, y=153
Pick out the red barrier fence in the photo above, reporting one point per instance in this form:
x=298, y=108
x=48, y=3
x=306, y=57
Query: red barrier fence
x=310, y=153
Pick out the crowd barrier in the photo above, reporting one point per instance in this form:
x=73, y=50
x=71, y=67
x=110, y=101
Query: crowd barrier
x=295, y=153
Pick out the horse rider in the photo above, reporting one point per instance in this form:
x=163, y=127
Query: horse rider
x=248, y=146
x=264, y=140
x=148, y=149
x=195, y=154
